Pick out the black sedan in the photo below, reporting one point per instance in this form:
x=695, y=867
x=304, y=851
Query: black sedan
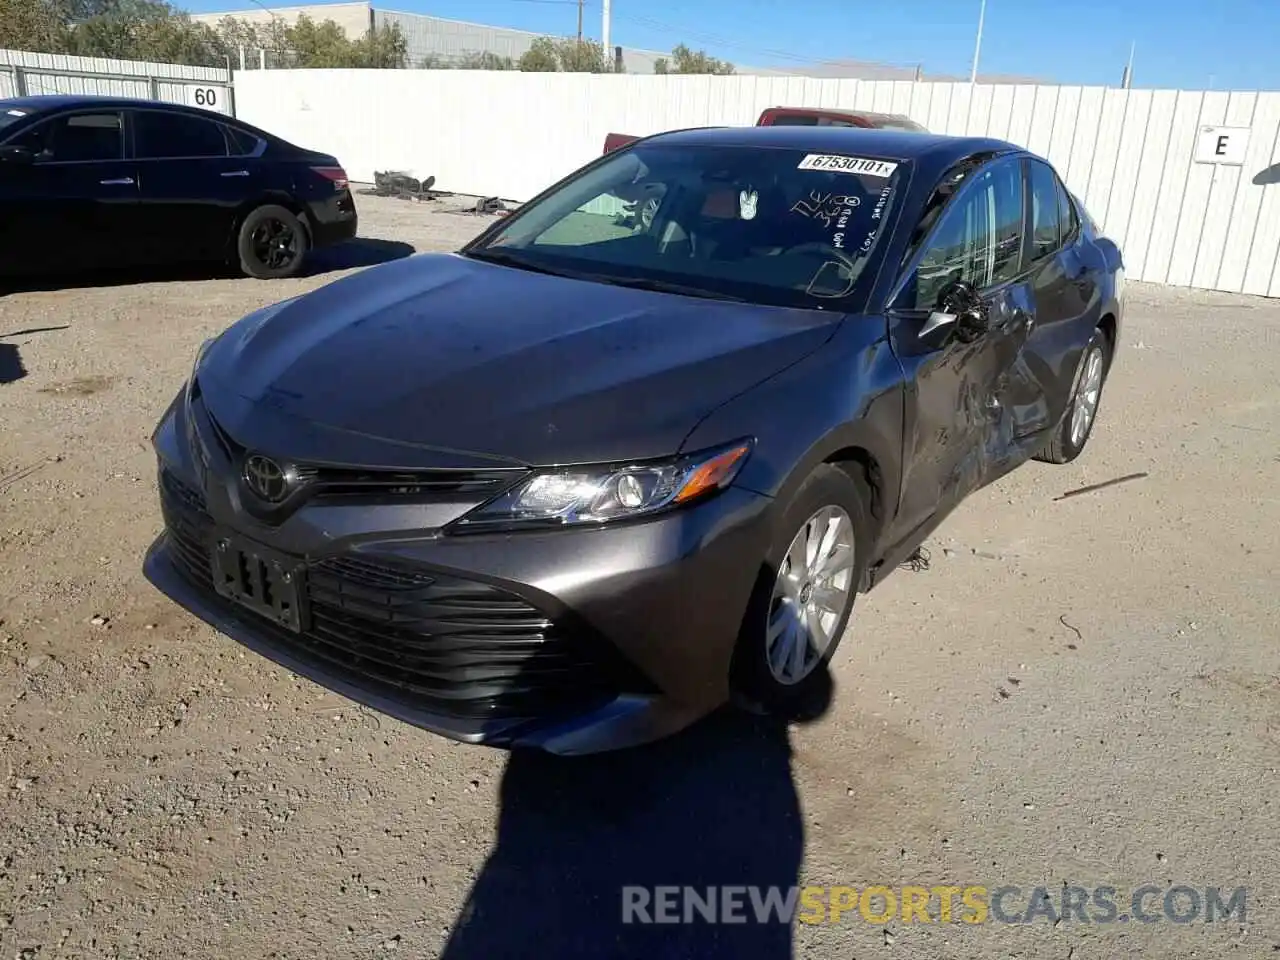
x=107, y=182
x=596, y=474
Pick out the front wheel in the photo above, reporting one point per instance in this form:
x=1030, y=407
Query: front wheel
x=272, y=244
x=804, y=596
x=1077, y=423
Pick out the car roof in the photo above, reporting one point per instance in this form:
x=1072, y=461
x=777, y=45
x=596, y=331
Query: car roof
x=936, y=148
x=63, y=101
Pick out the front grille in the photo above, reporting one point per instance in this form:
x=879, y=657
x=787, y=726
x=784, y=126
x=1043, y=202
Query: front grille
x=368, y=485
x=439, y=643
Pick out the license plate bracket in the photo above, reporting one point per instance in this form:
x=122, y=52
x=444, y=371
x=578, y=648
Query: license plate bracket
x=269, y=583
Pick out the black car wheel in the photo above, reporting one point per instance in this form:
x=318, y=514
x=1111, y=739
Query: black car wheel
x=272, y=244
x=1082, y=412
x=804, y=596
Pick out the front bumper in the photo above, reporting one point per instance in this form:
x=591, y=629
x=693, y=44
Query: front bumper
x=640, y=619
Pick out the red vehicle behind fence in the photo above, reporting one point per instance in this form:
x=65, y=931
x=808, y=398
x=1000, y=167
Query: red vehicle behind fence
x=805, y=117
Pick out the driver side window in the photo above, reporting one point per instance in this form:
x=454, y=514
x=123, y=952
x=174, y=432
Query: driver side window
x=978, y=239
x=75, y=138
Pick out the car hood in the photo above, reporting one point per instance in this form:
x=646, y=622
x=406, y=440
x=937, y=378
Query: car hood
x=448, y=353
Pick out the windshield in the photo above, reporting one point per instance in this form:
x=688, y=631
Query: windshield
x=765, y=225
x=9, y=116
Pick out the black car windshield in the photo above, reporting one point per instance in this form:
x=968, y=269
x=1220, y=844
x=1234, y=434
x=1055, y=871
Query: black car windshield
x=759, y=224
x=10, y=116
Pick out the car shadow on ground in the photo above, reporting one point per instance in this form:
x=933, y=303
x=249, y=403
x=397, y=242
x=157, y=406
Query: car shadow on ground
x=714, y=806
x=360, y=252
x=352, y=254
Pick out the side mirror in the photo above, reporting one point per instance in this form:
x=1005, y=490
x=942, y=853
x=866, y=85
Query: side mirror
x=16, y=155
x=961, y=309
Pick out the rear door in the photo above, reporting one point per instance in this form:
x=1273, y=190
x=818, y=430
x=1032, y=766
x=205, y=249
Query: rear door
x=1064, y=297
x=75, y=205
x=957, y=434
x=193, y=179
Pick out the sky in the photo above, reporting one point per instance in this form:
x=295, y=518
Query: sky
x=1211, y=44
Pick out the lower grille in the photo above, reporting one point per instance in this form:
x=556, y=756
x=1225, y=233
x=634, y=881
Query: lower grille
x=440, y=643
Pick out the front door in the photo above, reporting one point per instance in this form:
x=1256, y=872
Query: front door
x=958, y=434
x=190, y=185
x=73, y=205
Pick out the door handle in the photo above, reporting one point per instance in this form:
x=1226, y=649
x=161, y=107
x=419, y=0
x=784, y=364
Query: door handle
x=119, y=182
x=236, y=173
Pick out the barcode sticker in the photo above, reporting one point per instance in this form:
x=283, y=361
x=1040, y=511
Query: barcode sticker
x=862, y=165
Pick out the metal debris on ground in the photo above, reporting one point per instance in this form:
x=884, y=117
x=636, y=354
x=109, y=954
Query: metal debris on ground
x=918, y=562
x=398, y=184
x=485, y=206
x=1063, y=620
x=1099, y=486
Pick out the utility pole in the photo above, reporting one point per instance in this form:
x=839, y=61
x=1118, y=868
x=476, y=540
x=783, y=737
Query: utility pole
x=604, y=33
x=580, y=2
x=977, y=47
x=1128, y=70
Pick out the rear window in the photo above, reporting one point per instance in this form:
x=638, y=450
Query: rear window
x=242, y=142
x=784, y=227
x=807, y=120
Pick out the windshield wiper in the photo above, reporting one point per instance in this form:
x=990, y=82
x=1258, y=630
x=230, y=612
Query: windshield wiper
x=509, y=258
x=662, y=286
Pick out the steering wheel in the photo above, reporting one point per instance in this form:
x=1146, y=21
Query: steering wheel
x=825, y=250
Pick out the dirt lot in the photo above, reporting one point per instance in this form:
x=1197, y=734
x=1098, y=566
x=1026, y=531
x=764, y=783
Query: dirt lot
x=1076, y=692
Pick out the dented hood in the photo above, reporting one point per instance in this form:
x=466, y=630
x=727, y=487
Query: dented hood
x=447, y=353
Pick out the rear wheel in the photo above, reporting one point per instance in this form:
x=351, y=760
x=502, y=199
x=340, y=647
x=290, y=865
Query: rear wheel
x=272, y=243
x=1077, y=423
x=804, y=596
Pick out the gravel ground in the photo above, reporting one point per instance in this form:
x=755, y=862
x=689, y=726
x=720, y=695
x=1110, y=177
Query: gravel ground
x=1075, y=692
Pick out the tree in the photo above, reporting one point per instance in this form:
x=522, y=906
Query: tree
x=32, y=25
x=485, y=60
x=569, y=55
x=684, y=60
x=541, y=57
x=154, y=30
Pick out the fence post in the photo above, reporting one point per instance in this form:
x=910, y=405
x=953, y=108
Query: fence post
x=19, y=81
x=231, y=88
x=153, y=87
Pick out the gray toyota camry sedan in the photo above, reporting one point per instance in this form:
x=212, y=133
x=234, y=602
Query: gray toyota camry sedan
x=634, y=451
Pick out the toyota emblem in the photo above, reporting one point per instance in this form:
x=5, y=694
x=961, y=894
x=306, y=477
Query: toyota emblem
x=266, y=479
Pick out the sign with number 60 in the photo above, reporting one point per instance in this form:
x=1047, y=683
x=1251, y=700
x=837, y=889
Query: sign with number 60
x=210, y=98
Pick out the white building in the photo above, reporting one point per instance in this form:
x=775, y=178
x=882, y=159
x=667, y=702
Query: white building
x=434, y=39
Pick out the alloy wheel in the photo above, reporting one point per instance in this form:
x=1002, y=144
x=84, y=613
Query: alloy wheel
x=810, y=595
x=1087, y=396
x=275, y=244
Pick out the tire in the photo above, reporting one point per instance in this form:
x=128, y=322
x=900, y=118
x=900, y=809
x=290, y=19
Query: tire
x=272, y=243
x=1065, y=446
x=755, y=682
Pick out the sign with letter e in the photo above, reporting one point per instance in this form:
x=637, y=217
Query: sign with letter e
x=1222, y=145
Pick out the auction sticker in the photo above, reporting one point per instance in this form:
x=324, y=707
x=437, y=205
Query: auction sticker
x=862, y=165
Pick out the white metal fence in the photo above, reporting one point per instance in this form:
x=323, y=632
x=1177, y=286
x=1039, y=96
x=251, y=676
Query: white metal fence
x=1129, y=154
x=25, y=74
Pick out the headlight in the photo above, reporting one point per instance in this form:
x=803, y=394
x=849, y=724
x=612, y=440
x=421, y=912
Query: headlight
x=596, y=494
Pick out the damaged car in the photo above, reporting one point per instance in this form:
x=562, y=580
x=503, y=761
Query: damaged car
x=590, y=477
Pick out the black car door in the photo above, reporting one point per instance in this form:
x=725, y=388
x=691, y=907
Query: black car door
x=72, y=199
x=190, y=184
x=957, y=432
x=1065, y=300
